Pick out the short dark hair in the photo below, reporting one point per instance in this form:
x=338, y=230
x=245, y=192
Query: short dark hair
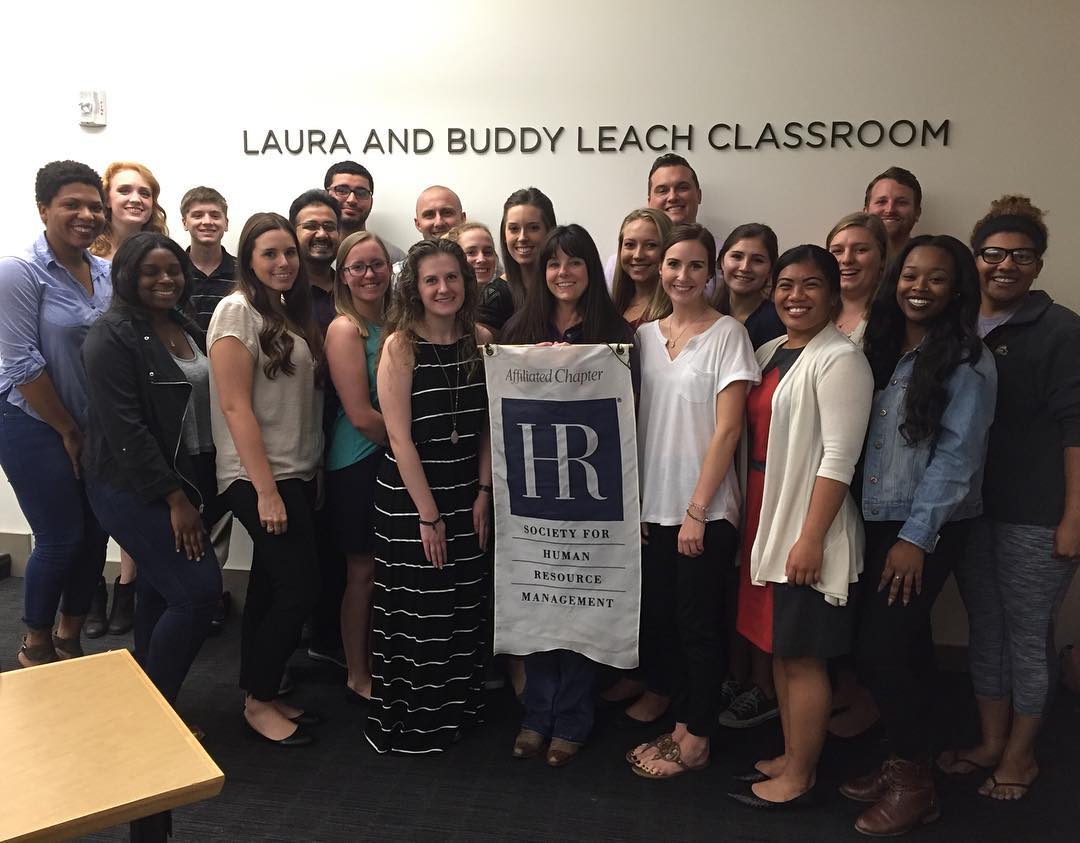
x=126, y=262
x=901, y=176
x=350, y=168
x=313, y=197
x=821, y=258
x=670, y=159
x=203, y=194
x=58, y=174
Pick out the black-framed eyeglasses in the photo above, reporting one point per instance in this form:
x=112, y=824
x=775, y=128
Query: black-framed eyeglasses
x=359, y=269
x=342, y=191
x=1021, y=257
x=328, y=227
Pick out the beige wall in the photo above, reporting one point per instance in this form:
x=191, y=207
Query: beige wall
x=181, y=90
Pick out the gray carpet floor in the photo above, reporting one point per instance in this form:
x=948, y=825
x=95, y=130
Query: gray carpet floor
x=339, y=789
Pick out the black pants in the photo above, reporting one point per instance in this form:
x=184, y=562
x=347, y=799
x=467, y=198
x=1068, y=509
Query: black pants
x=326, y=618
x=891, y=641
x=282, y=587
x=682, y=639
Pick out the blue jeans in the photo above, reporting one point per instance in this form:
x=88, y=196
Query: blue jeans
x=175, y=596
x=69, y=544
x=559, y=694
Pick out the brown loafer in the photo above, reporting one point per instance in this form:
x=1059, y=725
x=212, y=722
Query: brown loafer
x=561, y=752
x=528, y=744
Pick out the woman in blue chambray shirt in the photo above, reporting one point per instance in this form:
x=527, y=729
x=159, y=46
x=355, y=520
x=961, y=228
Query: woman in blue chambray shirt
x=921, y=487
x=49, y=298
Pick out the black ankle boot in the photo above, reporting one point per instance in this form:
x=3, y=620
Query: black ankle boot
x=122, y=613
x=96, y=622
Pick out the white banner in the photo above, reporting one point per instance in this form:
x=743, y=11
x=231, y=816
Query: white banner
x=564, y=469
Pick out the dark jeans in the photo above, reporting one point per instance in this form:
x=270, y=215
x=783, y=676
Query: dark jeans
x=282, y=587
x=176, y=596
x=69, y=544
x=682, y=639
x=559, y=694
x=891, y=641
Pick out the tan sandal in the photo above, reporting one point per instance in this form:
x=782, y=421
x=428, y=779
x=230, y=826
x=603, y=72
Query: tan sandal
x=528, y=744
x=561, y=752
x=670, y=752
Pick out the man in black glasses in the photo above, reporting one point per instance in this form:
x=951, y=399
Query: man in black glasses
x=354, y=188
x=316, y=216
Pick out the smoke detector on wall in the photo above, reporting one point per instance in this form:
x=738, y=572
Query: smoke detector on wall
x=92, y=108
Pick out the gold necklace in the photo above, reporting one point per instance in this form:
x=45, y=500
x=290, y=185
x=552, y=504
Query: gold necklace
x=673, y=341
x=453, y=389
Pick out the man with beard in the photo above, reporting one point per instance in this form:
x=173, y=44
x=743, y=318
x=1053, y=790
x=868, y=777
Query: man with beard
x=354, y=188
x=316, y=216
x=896, y=197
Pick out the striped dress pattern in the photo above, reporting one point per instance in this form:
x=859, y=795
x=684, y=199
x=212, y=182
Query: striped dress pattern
x=428, y=624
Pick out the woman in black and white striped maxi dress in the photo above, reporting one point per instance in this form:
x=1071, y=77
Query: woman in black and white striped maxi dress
x=427, y=622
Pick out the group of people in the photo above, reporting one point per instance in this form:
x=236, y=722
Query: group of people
x=824, y=435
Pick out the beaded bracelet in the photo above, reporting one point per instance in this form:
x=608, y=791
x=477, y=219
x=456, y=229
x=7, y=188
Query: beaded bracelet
x=696, y=506
x=695, y=518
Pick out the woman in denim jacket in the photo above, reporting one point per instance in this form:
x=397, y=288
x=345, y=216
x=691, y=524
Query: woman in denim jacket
x=922, y=474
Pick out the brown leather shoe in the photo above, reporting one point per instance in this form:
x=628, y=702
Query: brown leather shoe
x=910, y=800
x=869, y=787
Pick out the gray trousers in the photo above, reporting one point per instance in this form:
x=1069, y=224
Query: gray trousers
x=1012, y=586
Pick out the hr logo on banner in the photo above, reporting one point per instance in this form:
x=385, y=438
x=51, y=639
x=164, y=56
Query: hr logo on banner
x=563, y=459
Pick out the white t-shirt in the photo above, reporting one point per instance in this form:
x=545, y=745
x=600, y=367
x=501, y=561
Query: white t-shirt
x=287, y=408
x=677, y=417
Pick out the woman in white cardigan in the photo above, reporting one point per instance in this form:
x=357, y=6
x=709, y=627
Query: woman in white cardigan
x=803, y=538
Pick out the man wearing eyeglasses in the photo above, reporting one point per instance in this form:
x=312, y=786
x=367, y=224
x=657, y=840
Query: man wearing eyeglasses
x=316, y=217
x=896, y=197
x=354, y=188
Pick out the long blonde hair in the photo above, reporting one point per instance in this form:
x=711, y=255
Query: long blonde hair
x=106, y=243
x=343, y=302
x=622, y=288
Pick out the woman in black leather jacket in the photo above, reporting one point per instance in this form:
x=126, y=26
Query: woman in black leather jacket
x=148, y=458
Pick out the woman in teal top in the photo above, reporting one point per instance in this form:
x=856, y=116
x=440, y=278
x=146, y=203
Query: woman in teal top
x=357, y=438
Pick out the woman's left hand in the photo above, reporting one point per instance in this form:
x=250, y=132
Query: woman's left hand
x=691, y=537
x=804, y=562
x=1067, y=538
x=903, y=569
x=481, y=518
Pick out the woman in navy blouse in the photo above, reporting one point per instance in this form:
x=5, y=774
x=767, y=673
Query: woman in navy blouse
x=49, y=297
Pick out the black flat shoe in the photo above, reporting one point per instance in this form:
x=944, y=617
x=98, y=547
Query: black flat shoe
x=297, y=738
x=750, y=800
x=354, y=698
x=751, y=777
x=625, y=721
x=308, y=718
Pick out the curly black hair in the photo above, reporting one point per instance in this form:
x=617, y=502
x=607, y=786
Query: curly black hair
x=56, y=174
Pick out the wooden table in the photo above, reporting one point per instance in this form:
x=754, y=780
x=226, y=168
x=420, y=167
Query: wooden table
x=90, y=743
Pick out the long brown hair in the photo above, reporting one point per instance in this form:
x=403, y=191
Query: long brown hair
x=622, y=288
x=406, y=307
x=274, y=339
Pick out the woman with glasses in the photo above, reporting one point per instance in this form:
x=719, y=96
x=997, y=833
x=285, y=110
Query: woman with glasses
x=357, y=438
x=1024, y=550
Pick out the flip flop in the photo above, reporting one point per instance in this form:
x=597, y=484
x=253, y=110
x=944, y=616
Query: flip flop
x=949, y=767
x=670, y=752
x=1021, y=786
x=660, y=743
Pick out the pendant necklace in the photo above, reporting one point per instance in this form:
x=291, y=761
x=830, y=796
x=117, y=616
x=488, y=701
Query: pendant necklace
x=673, y=340
x=453, y=389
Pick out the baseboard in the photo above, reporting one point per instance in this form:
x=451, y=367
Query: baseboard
x=17, y=546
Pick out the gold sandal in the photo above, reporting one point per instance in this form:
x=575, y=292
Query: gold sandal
x=669, y=752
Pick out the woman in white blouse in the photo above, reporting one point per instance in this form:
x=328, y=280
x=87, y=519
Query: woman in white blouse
x=696, y=365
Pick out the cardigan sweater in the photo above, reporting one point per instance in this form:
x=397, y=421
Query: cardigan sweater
x=819, y=415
